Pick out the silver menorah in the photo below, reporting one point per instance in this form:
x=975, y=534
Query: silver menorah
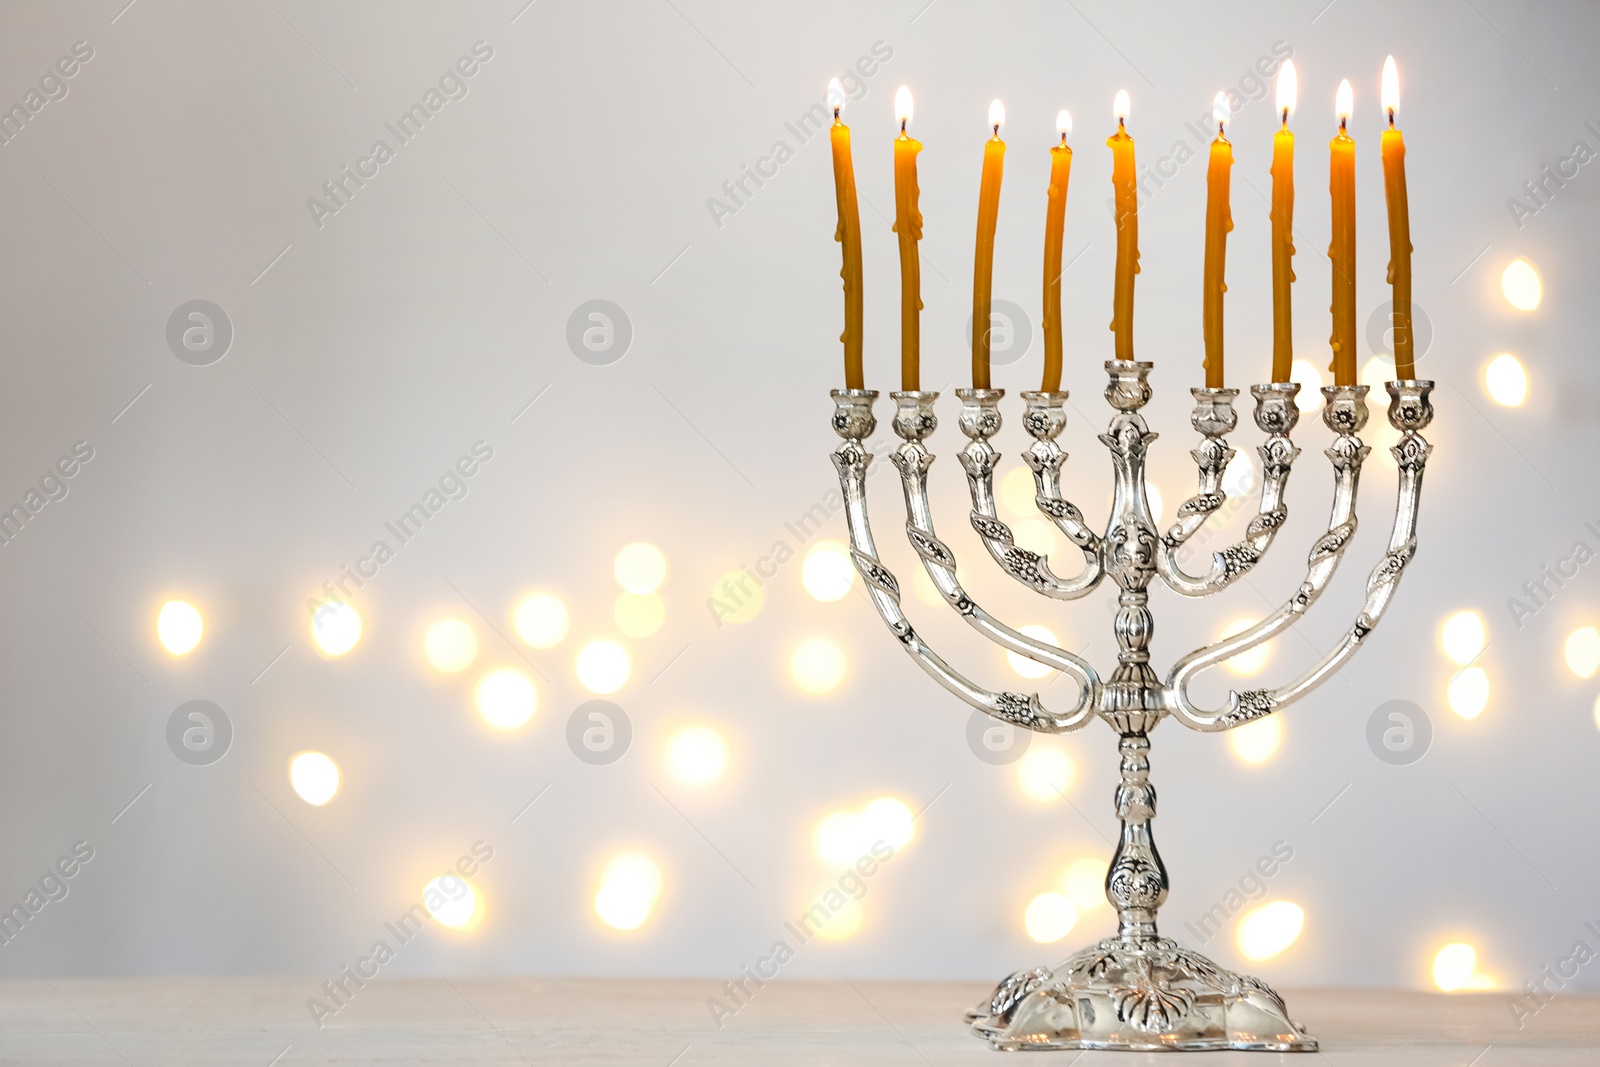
x=1137, y=990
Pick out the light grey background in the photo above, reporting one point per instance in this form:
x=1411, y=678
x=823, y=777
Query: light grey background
x=369, y=353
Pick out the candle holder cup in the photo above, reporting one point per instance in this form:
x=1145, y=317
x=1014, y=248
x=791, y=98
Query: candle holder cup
x=1137, y=990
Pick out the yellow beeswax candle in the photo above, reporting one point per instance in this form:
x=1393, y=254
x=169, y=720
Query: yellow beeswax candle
x=1219, y=220
x=1283, y=228
x=1394, y=188
x=848, y=234
x=994, y=154
x=908, y=227
x=1054, y=224
x=1124, y=181
x=1342, y=249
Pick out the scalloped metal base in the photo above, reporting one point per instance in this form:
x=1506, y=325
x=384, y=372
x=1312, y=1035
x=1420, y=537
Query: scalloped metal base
x=1137, y=996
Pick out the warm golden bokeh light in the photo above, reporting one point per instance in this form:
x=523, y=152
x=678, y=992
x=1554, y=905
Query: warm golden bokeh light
x=450, y=899
x=1034, y=534
x=925, y=591
x=640, y=568
x=1044, y=773
x=540, y=620
x=890, y=820
x=1016, y=493
x=737, y=596
x=1022, y=664
x=450, y=645
x=1597, y=713
x=1463, y=636
x=844, y=923
x=179, y=627
x=837, y=838
x=335, y=628
x=1455, y=969
x=1251, y=661
x=314, y=777
x=827, y=572
x=603, y=667
x=1521, y=284
x=1582, y=651
x=1084, y=882
x=506, y=698
x=1468, y=692
x=1374, y=373
x=1257, y=742
x=697, y=755
x=1267, y=931
x=1311, y=382
x=845, y=836
x=1505, y=379
x=639, y=614
x=817, y=666
x=628, y=892
x=1049, y=917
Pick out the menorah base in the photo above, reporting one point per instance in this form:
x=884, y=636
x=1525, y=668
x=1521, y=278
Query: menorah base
x=1137, y=996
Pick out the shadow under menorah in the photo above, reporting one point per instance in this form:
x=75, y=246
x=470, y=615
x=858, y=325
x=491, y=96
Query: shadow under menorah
x=1137, y=990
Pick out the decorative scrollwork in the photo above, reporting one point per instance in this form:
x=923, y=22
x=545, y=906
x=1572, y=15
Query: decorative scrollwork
x=1201, y=504
x=1026, y=566
x=1153, y=1007
x=931, y=548
x=876, y=574
x=992, y=529
x=1270, y=520
x=1236, y=559
x=1011, y=992
x=1057, y=508
x=1253, y=704
x=1332, y=542
x=1411, y=454
x=1393, y=563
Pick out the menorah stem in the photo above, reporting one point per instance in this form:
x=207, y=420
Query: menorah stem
x=1136, y=883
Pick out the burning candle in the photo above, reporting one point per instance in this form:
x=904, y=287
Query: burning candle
x=1054, y=222
x=1283, y=228
x=1124, y=181
x=994, y=153
x=848, y=234
x=1342, y=250
x=1219, y=220
x=1394, y=189
x=908, y=225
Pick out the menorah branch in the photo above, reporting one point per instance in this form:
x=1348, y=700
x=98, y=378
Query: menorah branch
x=1410, y=410
x=853, y=421
x=1213, y=418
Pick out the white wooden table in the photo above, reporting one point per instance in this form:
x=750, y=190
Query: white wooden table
x=221, y=1022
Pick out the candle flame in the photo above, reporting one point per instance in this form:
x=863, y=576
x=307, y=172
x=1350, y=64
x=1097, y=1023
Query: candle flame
x=1064, y=123
x=1391, y=88
x=1288, y=89
x=1220, y=111
x=902, y=104
x=1120, y=106
x=997, y=113
x=835, y=96
x=1344, y=102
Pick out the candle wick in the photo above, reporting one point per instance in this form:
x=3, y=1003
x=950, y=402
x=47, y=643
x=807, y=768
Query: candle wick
x=835, y=114
x=1063, y=138
x=1342, y=122
x=1220, y=130
x=902, y=127
x=997, y=129
x=1391, y=118
x=1286, y=116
